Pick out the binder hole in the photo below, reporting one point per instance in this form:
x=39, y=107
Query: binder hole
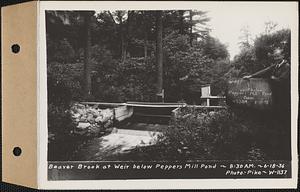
x=15, y=48
x=17, y=151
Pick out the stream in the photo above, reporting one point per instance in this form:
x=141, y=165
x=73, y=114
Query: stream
x=119, y=142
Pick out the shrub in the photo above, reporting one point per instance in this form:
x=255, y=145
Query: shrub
x=67, y=77
x=61, y=143
x=132, y=80
x=203, y=135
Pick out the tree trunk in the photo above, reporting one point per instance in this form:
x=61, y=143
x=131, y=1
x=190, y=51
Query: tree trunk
x=181, y=27
x=146, y=44
x=191, y=28
x=87, y=56
x=146, y=28
x=123, y=46
x=159, y=51
x=128, y=34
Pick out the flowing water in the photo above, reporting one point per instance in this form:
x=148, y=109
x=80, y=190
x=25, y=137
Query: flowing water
x=121, y=141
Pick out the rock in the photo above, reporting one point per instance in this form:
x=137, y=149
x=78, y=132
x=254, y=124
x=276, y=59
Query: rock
x=212, y=113
x=90, y=118
x=95, y=112
x=82, y=125
x=108, y=123
x=76, y=115
x=107, y=114
x=114, y=130
x=80, y=111
x=99, y=119
x=94, y=130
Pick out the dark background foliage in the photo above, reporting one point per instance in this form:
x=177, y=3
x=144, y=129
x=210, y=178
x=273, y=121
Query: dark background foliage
x=123, y=53
x=261, y=54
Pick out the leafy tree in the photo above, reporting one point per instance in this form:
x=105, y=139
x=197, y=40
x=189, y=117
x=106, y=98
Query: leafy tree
x=214, y=49
x=197, y=25
x=246, y=62
x=266, y=44
x=194, y=63
x=65, y=19
x=262, y=54
x=270, y=26
x=245, y=38
x=112, y=42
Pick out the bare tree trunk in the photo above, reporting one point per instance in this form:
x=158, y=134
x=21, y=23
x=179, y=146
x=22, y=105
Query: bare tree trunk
x=123, y=47
x=181, y=22
x=191, y=27
x=146, y=28
x=146, y=44
x=159, y=51
x=87, y=56
x=128, y=33
x=122, y=36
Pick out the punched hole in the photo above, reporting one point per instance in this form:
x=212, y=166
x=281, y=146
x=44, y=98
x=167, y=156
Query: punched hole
x=15, y=48
x=17, y=151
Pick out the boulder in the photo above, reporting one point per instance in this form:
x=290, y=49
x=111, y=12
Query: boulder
x=91, y=120
x=83, y=125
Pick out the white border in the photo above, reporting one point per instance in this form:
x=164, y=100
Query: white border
x=154, y=183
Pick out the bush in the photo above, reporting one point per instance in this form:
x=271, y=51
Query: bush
x=65, y=79
x=61, y=143
x=132, y=80
x=203, y=135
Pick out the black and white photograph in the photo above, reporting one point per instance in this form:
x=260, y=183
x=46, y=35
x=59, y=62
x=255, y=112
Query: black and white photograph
x=169, y=94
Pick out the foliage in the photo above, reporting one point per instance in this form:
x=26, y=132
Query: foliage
x=123, y=81
x=64, y=81
x=60, y=125
x=266, y=44
x=59, y=120
x=204, y=135
x=245, y=38
x=214, y=49
x=60, y=51
x=122, y=53
x=263, y=53
x=194, y=62
x=246, y=62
